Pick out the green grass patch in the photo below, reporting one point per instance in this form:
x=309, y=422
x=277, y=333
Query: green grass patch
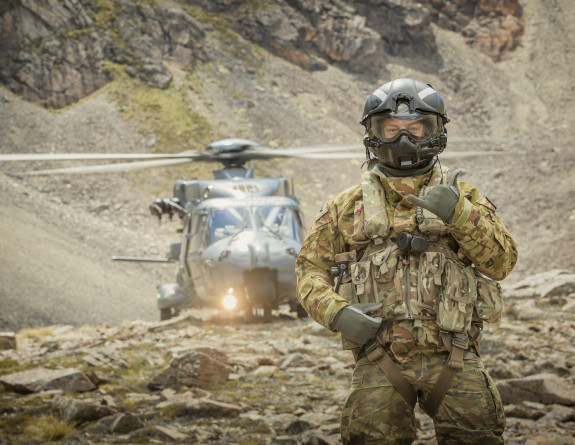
x=166, y=114
x=48, y=427
x=9, y=366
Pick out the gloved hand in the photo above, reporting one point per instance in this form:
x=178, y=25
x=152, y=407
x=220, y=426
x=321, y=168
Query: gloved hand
x=354, y=323
x=441, y=199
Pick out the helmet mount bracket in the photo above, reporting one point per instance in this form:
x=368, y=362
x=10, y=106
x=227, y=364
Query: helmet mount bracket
x=402, y=97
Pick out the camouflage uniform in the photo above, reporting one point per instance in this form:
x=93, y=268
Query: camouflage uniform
x=373, y=214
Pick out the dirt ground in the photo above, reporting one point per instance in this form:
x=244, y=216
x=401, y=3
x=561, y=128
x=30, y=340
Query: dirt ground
x=58, y=233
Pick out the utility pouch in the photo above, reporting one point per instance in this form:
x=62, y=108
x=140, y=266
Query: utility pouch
x=342, y=276
x=489, y=303
x=383, y=270
x=385, y=263
x=431, y=266
x=359, y=277
x=456, y=298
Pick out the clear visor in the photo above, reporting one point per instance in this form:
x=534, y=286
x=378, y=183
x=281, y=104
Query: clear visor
x=386, y=127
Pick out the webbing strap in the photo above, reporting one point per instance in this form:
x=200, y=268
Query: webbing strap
x=431, y=405
x=457, y=346
x=376, y=354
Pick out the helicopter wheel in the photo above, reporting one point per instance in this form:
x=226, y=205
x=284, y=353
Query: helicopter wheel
x=165, y=314
x=267, y=313
x=262, y=313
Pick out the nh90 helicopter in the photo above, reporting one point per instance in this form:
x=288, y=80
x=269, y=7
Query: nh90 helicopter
x=240, y=234
x=240, y=237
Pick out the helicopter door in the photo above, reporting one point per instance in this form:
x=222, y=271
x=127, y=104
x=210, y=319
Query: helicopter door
x=185, y=248
x=198, y=237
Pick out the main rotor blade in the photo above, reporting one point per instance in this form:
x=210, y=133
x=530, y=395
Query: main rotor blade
x=108, y=168
x=472, y=153
x=329, y=155
x=98, y=156
x=310, y=150
x=444, y=155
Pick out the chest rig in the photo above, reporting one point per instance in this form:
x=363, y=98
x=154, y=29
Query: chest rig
x=406, y=260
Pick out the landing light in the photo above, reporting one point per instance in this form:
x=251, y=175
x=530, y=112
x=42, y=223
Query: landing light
x=229, y=300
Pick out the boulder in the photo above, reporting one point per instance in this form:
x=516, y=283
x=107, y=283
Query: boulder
x=542, y=388
x=199, y=407
x=85, y=410
x=7, y=340
x=544, y=285
x=192, y=369
x=125, y=423
x=42, y=379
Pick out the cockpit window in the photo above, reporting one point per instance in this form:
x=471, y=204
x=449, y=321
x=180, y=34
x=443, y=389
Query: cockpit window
x=227, y=222
x=280, y=220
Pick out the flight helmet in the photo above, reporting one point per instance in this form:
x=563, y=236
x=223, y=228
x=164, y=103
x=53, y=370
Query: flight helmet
x=404, y=124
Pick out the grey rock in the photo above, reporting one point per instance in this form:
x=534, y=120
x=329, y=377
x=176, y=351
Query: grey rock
x=297, y=360
x=125, y=423
x=201, y=407
x=82, y=410
x=542, y=285
x=7, y=340
x=42, y=379
x=542, y=388
x=526, y=410
x=161, y=434
x=192, y=369
x=318, y=438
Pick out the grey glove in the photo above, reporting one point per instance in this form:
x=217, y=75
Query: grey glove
x=441, y=199
x=354, y=323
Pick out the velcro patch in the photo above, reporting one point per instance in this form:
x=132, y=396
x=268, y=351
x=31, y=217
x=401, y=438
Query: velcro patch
x=324, y=209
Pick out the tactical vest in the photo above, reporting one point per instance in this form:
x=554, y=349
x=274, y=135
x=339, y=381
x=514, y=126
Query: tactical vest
x=421, y=280
x=433, y=284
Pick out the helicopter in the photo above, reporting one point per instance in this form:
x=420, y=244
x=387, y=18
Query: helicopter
x=240, y=238
x=240, y=235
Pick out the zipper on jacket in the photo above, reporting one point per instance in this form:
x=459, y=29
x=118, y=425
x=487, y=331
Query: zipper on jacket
x=406, y=271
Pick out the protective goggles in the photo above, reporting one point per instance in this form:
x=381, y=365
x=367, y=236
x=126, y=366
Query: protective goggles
x=388, y=127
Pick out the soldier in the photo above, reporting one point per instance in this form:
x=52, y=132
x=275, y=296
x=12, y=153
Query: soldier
x=404, y=267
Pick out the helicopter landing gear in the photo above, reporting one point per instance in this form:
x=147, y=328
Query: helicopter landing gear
x=167, y=313
x=262, y=313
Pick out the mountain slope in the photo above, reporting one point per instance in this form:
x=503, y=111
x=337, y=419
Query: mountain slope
x=55, y=263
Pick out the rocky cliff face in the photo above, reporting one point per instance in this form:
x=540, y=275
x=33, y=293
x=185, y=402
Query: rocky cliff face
x=56, y=52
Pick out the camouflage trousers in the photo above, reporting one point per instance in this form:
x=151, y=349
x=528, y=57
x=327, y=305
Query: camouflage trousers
x=375, y=413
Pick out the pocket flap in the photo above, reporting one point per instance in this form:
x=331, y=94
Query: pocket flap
x=434, y=262
x=380, y=257
x=360, y=272
x=489, y=303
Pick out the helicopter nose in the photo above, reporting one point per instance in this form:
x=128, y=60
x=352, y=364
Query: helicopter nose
x=259, y=254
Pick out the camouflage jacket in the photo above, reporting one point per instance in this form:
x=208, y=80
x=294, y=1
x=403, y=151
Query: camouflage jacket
x=476, y=235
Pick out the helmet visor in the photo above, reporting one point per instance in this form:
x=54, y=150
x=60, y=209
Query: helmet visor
x=387, y=126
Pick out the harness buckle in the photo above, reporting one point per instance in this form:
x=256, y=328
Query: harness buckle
x=479, y=330
x=373, y=347
x=460, y=341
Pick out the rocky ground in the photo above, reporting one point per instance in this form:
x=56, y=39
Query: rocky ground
x=69, y=306
x=200, y=378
